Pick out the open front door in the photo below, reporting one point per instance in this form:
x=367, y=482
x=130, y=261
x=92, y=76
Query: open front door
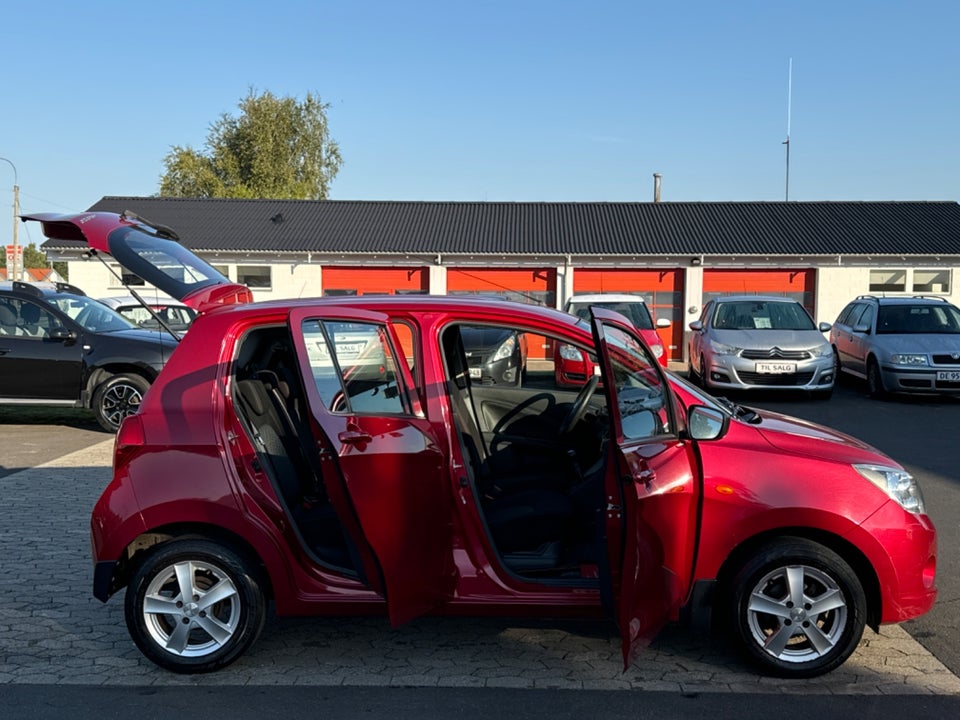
x=385, y=473
x=652, y=487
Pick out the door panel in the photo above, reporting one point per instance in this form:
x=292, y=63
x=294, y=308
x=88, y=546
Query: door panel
x=652, y=489
x=391, y=488
x=34, y=366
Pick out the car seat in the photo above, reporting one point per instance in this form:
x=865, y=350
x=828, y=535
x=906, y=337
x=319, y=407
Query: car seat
x=522, y=512
x=8, y=320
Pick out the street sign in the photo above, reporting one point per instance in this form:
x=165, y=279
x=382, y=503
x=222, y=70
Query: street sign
x=14, y=261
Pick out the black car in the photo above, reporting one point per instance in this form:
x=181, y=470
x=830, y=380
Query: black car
x=495, y=356
x=59, y=347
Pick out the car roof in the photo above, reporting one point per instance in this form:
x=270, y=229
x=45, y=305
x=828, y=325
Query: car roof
x=38, y=289
x=755, y=298
x=906, y=299
x=481, y=309
x=116, y=301
x=605, y=297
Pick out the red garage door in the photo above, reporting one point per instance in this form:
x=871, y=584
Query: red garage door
x=375, y=281
x=796, y=284
x=662, y=290
x=535, y=286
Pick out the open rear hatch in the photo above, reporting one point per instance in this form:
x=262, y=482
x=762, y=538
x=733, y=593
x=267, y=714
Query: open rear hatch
x=149, y=251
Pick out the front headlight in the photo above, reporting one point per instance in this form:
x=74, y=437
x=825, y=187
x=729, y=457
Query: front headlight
x=908, y=359
x=822, y=350
x=569, y=352
x=723, y=349
x=506, y=349
x=898, y=484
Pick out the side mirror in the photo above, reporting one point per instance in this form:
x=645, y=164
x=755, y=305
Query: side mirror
x=663, y=323
x=696, y=326
x=862, y=329
x=67, y=337
x=824, y=327
x=706, y=423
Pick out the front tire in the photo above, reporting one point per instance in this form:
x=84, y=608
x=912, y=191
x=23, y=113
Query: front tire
x=118, y=397
x=875, y=386
x=702, y=378
x=799, y=609
x=194, y=606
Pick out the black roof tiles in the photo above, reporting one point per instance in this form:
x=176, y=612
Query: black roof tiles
x=554, y=228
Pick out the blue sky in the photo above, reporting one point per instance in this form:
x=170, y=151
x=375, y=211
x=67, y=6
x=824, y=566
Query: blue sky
x=520, y=100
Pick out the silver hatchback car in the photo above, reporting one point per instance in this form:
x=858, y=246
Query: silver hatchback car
x=900, y=344
x=748, y=342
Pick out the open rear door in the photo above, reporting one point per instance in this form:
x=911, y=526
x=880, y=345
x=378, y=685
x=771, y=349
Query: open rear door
x=652, y=487
x=389, y=485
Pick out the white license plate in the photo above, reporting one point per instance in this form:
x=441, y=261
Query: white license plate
x=948, y=375
x=475, y=373
x=350, y=348
x=776, y=368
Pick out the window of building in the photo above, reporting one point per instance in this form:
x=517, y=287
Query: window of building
x=222, y=269
x=256, y=277
x=888, y=280
x=931, y=281
x=127, y=278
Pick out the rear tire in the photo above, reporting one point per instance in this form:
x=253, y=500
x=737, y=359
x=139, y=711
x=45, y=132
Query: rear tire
x=194, y=606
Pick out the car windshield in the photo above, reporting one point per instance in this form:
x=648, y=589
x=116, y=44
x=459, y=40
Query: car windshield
x=636, y=311
x=918, y=319
x=761, y=315
x=89, y=313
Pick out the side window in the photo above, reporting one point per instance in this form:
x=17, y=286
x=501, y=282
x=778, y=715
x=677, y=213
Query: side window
x=844, y=317
x=8, y=317
x=34, y=321
x=705, y=313
x=354, y=367
x=408, y=345
x=867, y=317
x=853, y=315
x=641, y=399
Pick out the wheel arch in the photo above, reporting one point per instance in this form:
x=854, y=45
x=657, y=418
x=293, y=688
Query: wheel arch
x=140, y=548
x=857, y=560
x=101, y=374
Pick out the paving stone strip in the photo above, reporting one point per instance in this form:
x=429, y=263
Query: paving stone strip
x=52, y=630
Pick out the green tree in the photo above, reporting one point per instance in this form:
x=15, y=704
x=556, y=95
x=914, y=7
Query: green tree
x=276, y=148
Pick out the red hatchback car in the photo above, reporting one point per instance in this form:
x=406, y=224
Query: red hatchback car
x=266, y=465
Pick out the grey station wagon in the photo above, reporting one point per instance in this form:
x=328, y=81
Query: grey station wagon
x=900, y=344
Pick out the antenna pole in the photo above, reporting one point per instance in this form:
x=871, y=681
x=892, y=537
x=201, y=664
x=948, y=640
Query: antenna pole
x=787, y=141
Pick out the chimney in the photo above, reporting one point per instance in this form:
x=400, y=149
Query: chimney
x=656, y=187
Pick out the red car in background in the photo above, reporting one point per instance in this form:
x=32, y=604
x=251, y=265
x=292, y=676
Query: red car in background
x=573, y=367
x=272, y=466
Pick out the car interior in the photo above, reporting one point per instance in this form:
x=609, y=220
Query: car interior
x=535, y=461
x=270, y=400
x=534, y=455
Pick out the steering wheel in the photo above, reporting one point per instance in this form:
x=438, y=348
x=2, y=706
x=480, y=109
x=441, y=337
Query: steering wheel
x=579, y=407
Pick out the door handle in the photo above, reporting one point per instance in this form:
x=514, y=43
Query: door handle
x=354, y=437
